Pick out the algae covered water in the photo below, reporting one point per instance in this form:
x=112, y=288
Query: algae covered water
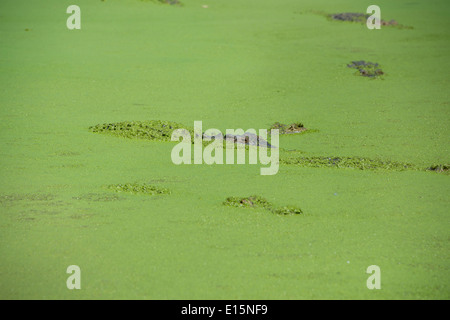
x=87, y=177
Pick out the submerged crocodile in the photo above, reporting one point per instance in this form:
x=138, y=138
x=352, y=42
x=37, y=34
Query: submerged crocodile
x=247, y=138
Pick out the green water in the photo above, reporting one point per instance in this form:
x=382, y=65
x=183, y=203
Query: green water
x=236, y=64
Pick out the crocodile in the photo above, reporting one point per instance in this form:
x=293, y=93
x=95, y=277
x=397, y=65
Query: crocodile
x=247, y=138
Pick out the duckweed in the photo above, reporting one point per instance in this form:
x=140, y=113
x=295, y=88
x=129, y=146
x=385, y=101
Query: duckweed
x=367, y=69
x=287, y=210
x=97, y=197
x=260, y=202
x=350, y=16
x=252, y=201
x=439, y=168
x=345, y=162
x=296, y=127
x=136, y=188
x=26, y=197
x=171, y=2
x=362, y=18
x=155, y=130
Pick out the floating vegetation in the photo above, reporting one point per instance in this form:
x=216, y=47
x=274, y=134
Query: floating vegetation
x=260, y=202
x=367, y=69
x=287, y=210
x=345, y=162
x=439, y=168
x=97, y=197
x=136, y=188
x=155, y=130
x=296, y=127
x=26, y=197
x=66, y=154
x=252, y=201
x=350, y=16
x=171, y=2
x=362, y=18
x=248, y=139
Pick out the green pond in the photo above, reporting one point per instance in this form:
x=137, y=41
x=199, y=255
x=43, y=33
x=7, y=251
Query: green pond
x=351, y=191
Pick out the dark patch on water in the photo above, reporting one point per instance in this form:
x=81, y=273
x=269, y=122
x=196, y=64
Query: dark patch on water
x=170, y=2
x=296, y=127
x=70, y=166
x=260, y=202
x=345, y=162
x=287, y=210
x=350, y=16
x=367, y=69
x=139, y=188
x=67, y=154
x=248, y=139
x=11, y=198
x=155, y=130
x=165, y=180
x=444, y=168
x=98, y=197
x=362, y=18
x=252, y=201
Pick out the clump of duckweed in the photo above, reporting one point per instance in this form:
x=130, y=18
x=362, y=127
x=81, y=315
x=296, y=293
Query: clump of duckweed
x=260, y=202
x=296, y=127
x=156, y=130
x=136, y=188
x=288, y=210
x=171, y=2
x=26, y=197
x=362, y=18
x=252, y=201
x=345, y=162
x=97, y=197
x=439, y=168
x=247, y=139
x=367, y=69
x=350, y=16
